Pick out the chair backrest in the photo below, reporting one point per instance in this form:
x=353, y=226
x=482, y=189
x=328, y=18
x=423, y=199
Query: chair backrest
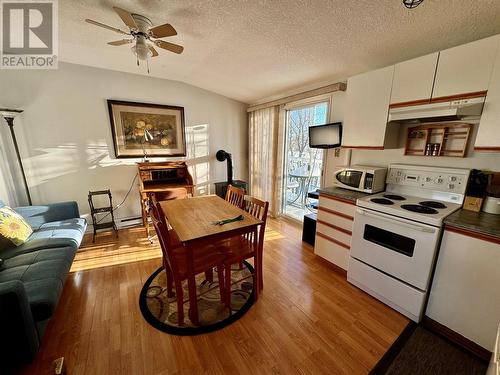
x=235, y=196
x=160, y=224
x=257, y=209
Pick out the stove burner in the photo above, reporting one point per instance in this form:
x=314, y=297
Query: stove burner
x=432, y=204
x=418, y=208
x=382, y=201
x=395, y=197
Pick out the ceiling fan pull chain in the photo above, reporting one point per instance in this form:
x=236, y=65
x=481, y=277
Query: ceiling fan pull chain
x=147, y=62
x=137, y=60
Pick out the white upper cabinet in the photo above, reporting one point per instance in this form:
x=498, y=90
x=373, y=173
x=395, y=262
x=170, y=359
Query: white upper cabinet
x=466, y=68
x=488, y=134
x=366, y=109
x=413, y=79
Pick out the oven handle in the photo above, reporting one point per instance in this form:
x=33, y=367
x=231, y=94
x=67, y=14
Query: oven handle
x=392, y=219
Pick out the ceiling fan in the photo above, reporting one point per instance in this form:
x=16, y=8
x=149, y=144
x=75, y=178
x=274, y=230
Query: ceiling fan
x=143, y=34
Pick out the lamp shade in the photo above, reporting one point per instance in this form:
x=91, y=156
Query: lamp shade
x=148, y=137
x=6, y=112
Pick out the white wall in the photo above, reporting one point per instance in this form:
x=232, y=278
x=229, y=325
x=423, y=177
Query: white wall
x=65, y=137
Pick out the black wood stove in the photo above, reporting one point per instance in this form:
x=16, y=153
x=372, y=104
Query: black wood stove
x=221, y=187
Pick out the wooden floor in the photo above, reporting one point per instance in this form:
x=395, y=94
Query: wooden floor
x=309, y=320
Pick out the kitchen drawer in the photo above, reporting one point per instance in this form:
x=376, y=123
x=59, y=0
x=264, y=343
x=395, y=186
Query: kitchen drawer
x=335, y=220
x=334, y=233
x=339, y=207
x=400, y=296
x=331, y=251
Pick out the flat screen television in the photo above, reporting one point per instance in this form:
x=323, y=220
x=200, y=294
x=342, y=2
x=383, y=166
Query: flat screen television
x=325, y=136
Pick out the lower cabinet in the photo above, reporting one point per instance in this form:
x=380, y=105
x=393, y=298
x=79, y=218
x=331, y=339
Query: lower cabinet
x=465, y=294
x=334, y=230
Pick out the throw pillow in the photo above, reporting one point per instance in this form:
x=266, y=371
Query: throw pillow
x=13, y=227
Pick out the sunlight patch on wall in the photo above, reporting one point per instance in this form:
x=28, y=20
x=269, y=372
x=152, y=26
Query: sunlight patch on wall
x=98, y=155
x=197, y=141
x=51, y=162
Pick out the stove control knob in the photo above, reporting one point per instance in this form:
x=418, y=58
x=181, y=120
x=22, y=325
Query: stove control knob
x=428, y=179
x=439, y=180
x=451, y=186
x=453, y=178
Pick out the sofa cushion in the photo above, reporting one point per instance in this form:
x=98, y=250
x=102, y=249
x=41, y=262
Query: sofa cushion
x=41, y=214
x=72, y=229
x=50, y=235
x=43, y=274
x=13, y=226
x=65, y=253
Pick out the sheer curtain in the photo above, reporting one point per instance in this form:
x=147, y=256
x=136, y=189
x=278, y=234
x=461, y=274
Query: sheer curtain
x=266, y=155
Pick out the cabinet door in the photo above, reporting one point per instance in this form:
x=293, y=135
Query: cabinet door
x=466, y=68
x=488, y=134
x=413, y=79
x=367, y=104
x=464, y=294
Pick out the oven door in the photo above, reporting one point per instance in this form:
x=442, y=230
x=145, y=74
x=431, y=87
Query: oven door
x=401, y=248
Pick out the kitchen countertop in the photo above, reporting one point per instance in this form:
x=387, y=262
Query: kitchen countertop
x=348, y=195
x=478, y=222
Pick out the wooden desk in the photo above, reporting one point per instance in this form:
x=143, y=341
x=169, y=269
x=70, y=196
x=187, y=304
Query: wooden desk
x=168, y=180
x=193, y=221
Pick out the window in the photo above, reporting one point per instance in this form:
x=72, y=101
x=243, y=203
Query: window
x=303, y=165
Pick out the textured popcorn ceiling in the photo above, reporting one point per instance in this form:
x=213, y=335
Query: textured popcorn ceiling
x=251, y=50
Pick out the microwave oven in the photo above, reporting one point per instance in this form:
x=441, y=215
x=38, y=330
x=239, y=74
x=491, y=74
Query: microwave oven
x=361, y=178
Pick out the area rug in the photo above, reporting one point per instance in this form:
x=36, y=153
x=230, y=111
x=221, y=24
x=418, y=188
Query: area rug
x=419, y=351
x=161, y=311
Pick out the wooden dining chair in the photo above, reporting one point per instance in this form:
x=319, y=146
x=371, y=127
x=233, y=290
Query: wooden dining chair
x=183, y=263
x=247, y=246
x=235, y=196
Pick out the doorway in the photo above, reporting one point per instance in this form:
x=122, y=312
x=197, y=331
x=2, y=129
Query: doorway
x=303, y=165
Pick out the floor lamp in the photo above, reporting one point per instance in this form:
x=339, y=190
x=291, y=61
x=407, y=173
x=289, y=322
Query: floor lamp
x=9, y=115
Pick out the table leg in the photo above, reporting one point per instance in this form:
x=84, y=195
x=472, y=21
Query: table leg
x=193, y=301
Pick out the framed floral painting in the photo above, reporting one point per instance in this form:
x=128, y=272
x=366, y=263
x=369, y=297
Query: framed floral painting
x=141, y=129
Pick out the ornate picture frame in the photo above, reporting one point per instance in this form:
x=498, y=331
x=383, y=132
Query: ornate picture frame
x=140, y=129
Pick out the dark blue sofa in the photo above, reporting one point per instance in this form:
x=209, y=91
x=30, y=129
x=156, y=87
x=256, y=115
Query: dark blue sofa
x=32, y=277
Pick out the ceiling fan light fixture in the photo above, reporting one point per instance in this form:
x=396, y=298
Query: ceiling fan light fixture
x=411, y=4
x=141, y=49
x=142, y=34
x=142, y=52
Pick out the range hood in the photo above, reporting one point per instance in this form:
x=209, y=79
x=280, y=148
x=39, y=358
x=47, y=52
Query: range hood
x=449, y=110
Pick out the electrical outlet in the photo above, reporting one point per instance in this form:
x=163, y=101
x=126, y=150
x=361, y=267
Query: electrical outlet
x=337, y=153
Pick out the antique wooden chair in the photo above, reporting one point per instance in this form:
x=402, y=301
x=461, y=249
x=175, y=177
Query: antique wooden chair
x=250, y=245
x=183, y=263
x=235, y=196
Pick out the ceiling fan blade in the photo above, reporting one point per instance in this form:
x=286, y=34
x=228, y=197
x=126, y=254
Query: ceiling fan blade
x=175, y=48
x=126, y=17
x=162, y=31
x=121, y=42
x=153, y=51
x=106, y=27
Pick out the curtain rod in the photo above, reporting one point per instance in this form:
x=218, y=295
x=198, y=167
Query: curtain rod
x=339, y=86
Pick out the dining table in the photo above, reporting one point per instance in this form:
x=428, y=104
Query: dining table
x=196, y=221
